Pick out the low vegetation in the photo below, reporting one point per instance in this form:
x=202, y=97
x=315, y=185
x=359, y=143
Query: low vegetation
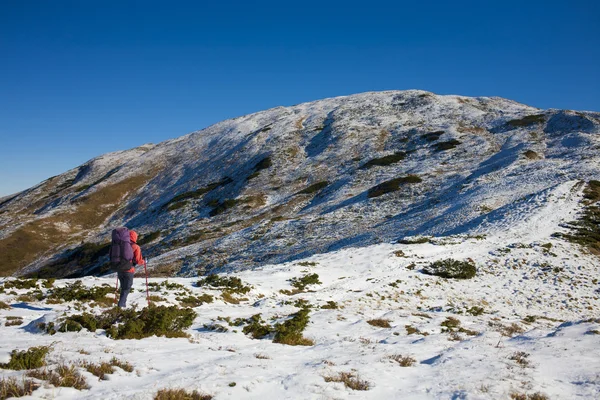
x=527, y=121
x=384, y=161
x=61, y=376
x=11, y=387
x=256, y=327
x=195, y=301
x=392, y=185
x=314, y=188
x=263, y=164
x=230, y=284
x=105, y=368
x=379, y=322
x=524, y=396
x=585, y=231
x=451, y=269
x=181, y=394
x=304, y=281
x=350, y=380
x=176, y=201
x=130, y=323
x=448, y=145
x=403, y=361
x=432, y=136
x=78, y=292
x=34, y=357
x=290, y=331
x=531, y=155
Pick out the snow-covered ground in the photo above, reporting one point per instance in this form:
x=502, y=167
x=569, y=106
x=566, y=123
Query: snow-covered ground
x=527, y=280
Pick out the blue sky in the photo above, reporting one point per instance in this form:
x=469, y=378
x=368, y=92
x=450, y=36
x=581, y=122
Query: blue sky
x=82, y=78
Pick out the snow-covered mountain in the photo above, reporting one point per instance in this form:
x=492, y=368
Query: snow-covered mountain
x=289, y=182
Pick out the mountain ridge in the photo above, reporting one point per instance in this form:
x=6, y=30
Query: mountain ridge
x=289, y=182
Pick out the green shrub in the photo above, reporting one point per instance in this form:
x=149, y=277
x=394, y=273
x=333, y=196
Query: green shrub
x=392, y=185
x=148, y=238
x=475, y=311
x=231, y=284
x=415, y=240
x=34, y=357
x=314, y=188
x=4, y=306
x=21, y=284
x=194, y=194
x=132, y=324
x=257, y=328
x=195, y=301
x=585, y=231
x=303, y=282
x=527, y=120
x=432, y=136
x=450, y=268
x=154, y=320
x=443, y=146
x=77, y=291
x=223, y=206
x=450, y=324
x=384, y=161
x=265, y=163
x=290, y=331
x=331, y=305
x=180, y=394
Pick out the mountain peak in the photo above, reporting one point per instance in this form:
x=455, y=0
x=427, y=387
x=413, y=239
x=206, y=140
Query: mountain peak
x=289, y=182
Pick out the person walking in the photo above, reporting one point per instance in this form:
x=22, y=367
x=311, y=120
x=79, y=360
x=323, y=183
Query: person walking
x=126, y=277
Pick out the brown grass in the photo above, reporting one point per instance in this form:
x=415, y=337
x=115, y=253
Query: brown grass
x=381, y=323
x=11, y=387
x=39, y=237
x=180, y=394
x=404, y=361
x=228, y=298
x=63, y=376
x=350, y=380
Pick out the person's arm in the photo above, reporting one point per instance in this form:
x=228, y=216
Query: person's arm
x=137, y=255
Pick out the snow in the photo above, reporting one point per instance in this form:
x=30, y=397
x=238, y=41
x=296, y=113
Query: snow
x=513, y=282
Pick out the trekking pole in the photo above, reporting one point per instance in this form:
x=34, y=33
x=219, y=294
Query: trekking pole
x=147, y=293
x=116, y=288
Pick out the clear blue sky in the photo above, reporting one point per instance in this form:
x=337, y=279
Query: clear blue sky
x=82, y=78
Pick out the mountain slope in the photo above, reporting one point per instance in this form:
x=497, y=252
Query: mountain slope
x=286, y=183
x=525, y=325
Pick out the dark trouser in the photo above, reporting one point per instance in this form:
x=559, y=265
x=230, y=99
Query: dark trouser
x=126, y=281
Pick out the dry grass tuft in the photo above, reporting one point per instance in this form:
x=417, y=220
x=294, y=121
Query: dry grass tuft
x=350, y=380
x=181, y=394
x=404, y=361
x=11, y=387
x=379, y=322
x=63, y=376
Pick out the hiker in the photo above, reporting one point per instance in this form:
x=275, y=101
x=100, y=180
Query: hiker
x=126, y=255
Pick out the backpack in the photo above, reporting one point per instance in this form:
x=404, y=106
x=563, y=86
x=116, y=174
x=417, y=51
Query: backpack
x=121, y=252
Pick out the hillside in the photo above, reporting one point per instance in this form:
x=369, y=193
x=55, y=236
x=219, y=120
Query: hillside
x=365, y=323
x=290, y=182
